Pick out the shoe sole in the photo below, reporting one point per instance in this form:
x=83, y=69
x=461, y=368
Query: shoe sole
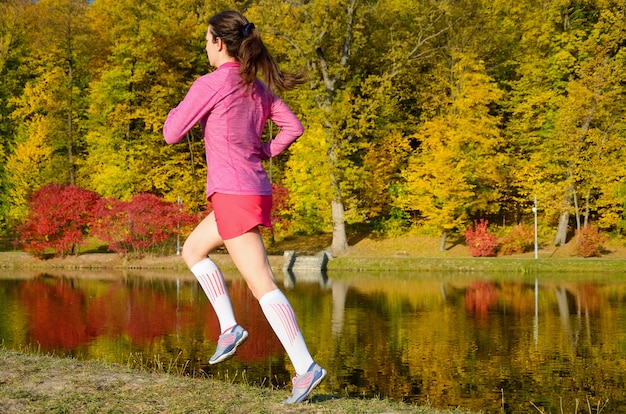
x=306, y=396
x=229, y=355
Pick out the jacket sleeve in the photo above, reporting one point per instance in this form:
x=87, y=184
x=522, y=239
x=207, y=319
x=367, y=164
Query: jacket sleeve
x=290, y=129
x=190, y=111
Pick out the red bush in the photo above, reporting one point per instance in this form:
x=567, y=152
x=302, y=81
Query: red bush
x=520, y=240
x=139, y=224
x=589, y=241
x=59, y=218
x=480, y=242
x=280, y=197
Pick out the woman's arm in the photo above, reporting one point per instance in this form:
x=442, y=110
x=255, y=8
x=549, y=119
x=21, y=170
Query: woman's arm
x=290, y=129
x=196, y=105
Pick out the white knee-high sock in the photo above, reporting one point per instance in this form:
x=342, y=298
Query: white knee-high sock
x=214, y=286
x=282, y=319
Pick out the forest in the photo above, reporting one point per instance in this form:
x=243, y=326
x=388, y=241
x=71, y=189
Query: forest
x=419, y=115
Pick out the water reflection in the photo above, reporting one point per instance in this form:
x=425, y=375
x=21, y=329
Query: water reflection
x=491, y=344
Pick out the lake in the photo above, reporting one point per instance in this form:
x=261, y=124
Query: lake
x=497, y=343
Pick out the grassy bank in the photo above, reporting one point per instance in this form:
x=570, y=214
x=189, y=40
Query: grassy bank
x=485, y=264
x=411, y=253
x=346, y=264
x=47, y=384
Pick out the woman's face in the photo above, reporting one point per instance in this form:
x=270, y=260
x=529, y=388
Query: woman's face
x=212, y=47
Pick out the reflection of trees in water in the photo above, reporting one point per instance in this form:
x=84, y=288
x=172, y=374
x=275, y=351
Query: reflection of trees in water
x=480, y=296
x=56, y=313
x=403, y=337
x=424, y=345
x=64, y=315
x=576, y=304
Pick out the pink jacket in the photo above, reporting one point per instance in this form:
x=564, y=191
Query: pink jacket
x=232, y=121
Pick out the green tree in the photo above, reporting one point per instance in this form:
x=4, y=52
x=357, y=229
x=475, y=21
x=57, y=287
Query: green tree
x=13, y=53
x=351, y=59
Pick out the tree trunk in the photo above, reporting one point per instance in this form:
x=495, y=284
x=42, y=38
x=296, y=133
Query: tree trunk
x=561, y=231
x=70, y=132
x=576, y=211
x=340, y=240
x=326, y=102
x=583, y=131
x=442, y=246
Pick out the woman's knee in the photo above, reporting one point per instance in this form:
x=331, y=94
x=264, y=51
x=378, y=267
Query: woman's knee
x=202, y=240
x=193, y=251
x=189, y=257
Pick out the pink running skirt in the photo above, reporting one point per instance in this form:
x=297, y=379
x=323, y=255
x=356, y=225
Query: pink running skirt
x=236, y=214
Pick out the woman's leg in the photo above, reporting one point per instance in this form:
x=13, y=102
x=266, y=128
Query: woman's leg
x=249, y=255
x=200, y=242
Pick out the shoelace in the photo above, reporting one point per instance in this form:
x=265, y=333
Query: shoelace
x=226, y=339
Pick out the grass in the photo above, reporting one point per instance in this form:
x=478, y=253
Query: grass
x=518, y=266
x=35, y=383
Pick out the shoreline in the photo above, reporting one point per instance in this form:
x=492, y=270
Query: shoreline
x=352, y=263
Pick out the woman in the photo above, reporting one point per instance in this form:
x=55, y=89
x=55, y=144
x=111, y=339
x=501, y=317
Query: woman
x=232, y=106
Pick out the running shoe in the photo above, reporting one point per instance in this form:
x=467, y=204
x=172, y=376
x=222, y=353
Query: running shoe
x=227, y=344
x=304, y=384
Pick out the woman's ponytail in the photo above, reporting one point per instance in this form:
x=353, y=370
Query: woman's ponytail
x=243, y=42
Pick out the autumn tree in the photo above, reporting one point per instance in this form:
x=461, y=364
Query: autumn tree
x=59, y=55
x=424, y=113
x=387, y=157
x=351, y=60
x=151, y=53
x=454, y=175
x=142, y=224
x=13, y=54
x=564, y=125
x=31, y=168
x=59, y=219
x=48, y=110
x=590, y=120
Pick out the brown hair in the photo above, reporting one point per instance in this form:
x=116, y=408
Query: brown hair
x=243, y=42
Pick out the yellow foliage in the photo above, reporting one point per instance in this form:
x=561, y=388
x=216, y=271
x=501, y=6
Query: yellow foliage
x=455, y=172
x=307, y=179
x=29, y=166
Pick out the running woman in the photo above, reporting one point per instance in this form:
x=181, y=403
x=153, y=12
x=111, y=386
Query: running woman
x=232, y=106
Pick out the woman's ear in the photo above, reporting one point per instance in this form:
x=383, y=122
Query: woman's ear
x=220, y=44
